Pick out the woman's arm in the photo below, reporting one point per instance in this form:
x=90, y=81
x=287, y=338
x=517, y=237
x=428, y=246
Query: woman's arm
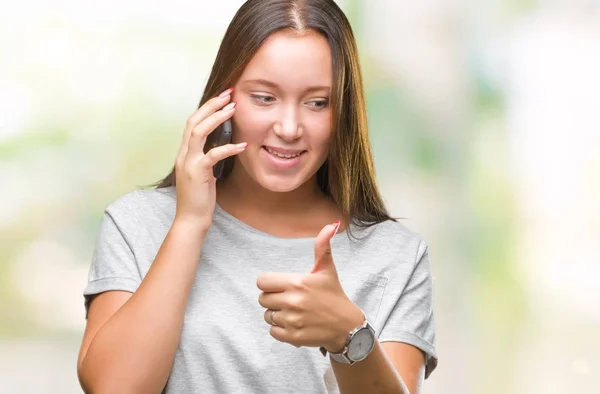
x=391, y=368
x=130, y=340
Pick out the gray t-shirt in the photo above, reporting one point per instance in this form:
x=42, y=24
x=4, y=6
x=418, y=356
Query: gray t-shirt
x=225, y=344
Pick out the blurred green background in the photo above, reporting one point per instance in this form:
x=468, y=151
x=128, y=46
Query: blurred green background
x=485, y=129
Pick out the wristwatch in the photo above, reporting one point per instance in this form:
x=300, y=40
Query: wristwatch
x=359, y=345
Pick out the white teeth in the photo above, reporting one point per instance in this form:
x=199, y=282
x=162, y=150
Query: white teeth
x=282, y=155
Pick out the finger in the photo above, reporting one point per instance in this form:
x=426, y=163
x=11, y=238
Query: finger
x=277, y=318
x=323, y=256
x=274, y=301
x=213, y=156
x=280, y=334
x=208, y=125
x=208, y=108
x=274, y=282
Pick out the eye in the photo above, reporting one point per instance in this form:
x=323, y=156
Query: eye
x=262, y=99
x=319, y=104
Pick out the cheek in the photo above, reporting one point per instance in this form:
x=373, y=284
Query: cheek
x=248, y=123
x=320, y=132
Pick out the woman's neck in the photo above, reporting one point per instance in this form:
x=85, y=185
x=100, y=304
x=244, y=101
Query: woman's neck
x=240, y=193
x=299, y=213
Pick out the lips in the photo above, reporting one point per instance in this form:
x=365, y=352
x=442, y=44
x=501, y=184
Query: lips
x=278, y=160
x=283, y=153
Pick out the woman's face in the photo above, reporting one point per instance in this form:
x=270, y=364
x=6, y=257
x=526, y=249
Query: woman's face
x=283, y=110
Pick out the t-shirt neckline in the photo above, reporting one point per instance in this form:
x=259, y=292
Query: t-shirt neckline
x=232, y=219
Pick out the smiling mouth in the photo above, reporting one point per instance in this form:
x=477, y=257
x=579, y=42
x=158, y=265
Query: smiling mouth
x=282, y=155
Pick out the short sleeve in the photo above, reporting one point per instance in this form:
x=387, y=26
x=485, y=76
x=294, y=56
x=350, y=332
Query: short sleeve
x=411, y=320
x=113, y=265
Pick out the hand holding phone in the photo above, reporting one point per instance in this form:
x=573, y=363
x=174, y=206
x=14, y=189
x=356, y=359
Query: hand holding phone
x=203, y=147
x=221, y=136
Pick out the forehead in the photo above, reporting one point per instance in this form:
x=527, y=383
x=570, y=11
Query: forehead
x=292, y=61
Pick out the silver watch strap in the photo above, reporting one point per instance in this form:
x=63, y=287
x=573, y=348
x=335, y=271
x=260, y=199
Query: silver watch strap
x=341, y=356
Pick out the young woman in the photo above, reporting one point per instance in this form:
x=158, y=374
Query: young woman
x=241, y=285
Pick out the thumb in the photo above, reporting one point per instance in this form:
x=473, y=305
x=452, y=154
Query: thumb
x=323, y=257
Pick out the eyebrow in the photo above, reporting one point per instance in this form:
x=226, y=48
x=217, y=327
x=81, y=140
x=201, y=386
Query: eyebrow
x=276, y=86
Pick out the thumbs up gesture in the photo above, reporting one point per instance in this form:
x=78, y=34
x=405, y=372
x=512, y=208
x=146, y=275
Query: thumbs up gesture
x=310, y=309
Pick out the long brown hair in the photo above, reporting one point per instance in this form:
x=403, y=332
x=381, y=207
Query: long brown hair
x=348, y=174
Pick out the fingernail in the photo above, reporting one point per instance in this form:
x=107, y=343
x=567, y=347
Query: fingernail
x=337, y=226
x=229, y=106
x=242, y=145
x=227, y=92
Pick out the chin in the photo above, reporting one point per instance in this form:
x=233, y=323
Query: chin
x=279, y=183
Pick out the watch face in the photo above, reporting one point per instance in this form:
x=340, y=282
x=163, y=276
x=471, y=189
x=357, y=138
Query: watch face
x=361, y=345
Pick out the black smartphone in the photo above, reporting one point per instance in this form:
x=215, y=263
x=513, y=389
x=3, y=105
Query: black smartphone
x=219, y=137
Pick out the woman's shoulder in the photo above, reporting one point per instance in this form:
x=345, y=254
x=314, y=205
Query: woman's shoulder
x=141, y=196
x=395, y=237
x=141, y=204
x=393, y=230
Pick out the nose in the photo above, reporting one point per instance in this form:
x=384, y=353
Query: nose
x=289, y=127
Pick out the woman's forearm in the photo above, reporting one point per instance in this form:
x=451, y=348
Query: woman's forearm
x=134, y=351
x=375, y=375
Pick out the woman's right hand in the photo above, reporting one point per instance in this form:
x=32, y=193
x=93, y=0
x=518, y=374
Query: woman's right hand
x=195, y=182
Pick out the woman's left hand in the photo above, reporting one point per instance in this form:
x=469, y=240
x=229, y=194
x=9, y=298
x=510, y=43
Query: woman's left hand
x=310, y=309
